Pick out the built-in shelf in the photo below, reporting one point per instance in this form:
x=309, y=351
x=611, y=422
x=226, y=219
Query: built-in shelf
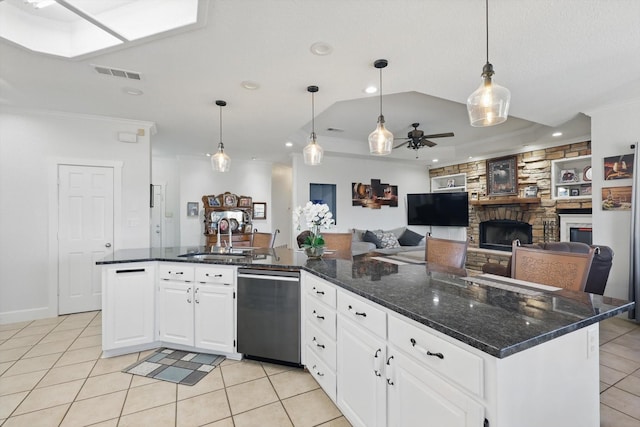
x=449, y=183
x=571, y=178
x=506, y=201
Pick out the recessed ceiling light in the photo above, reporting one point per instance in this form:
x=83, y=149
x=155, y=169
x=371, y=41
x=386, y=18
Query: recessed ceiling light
x=470, y=157
x=208, y=154
x=435, y=160
x=132, y=91
x=321, y=48
x=556, y=134
x=250, y=85
x=289, y=144
x=370, y=89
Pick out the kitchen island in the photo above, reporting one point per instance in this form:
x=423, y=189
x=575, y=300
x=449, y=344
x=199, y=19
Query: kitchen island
x=420, y=344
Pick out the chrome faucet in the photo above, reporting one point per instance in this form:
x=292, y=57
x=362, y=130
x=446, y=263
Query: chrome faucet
x=218, y=236
x=230, y=243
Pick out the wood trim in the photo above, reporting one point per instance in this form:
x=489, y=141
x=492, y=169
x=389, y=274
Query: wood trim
x=506, y=201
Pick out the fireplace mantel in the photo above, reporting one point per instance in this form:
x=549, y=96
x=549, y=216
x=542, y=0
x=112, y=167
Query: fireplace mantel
x=506, y=201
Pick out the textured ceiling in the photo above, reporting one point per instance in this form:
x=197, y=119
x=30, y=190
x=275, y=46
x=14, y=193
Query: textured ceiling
x=559, y=58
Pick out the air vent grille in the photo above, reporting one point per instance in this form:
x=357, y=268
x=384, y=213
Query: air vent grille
x=133, y=75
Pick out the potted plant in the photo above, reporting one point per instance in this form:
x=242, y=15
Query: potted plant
x=313, y=217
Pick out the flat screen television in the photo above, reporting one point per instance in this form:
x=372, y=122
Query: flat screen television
x=442, y=209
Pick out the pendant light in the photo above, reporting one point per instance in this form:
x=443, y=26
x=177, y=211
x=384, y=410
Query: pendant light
x=489, y=104
x=380, y=140
x=220, y=161
x=313, y=151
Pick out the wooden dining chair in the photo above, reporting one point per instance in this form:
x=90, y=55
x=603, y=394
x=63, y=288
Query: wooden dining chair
x=264, y=240
x=448, y=253
x=338, y=241
x=568, y=270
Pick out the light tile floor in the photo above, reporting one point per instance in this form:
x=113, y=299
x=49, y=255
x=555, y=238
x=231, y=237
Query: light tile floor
x=51, y=374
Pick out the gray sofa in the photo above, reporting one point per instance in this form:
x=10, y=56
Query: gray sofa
x=360, y=245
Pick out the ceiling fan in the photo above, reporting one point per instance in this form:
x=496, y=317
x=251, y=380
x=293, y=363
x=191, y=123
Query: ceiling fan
x=417, y=139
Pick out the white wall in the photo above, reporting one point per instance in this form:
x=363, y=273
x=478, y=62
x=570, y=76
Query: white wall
x=30, y=144
x=197, y=178
x=280, y=208
x=343, y=172
x=613, y=130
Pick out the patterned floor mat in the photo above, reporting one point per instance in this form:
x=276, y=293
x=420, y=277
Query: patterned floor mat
x=176, y=366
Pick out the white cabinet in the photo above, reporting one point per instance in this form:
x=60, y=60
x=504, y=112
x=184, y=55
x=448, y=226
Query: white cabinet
x=361, y=381
x=571, y=178
x=416, y=394
x=128, y=306
x=319, y=331
x=388, y=372
x=198, y=308
x=449, y=183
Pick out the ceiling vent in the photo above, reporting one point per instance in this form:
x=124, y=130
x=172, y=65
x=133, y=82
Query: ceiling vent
x=133, y=75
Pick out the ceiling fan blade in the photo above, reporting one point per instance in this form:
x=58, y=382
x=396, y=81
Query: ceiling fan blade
x=439, y=135
x=428, y=143
x=404, y=143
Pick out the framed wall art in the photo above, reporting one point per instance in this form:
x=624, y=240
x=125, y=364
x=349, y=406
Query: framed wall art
x=229, y=200
x=244, y=202
x=502, y=176
x=618, y=167
x=213, y=202
x=192, y=208
x=259, y=210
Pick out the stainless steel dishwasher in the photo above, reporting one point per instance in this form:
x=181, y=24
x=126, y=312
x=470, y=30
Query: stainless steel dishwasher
x=269, y=314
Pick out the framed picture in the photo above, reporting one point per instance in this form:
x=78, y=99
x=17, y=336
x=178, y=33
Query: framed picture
x=474, y=195
x=451, y=183
x=531, y=191
x=259, y=210
x=244, y=202
x=574, y=192
x=502, y=176
x=213, y=202
x=616, y=198
x=229, y=200
x=568, y=175
x=618, y=167
x=192, y=208
x=563, y=192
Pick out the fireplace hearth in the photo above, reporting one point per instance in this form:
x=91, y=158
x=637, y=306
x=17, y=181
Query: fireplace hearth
x=498, y=234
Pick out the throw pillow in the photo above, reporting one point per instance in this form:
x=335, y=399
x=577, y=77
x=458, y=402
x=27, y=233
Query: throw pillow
x=370, y=237
x=410, y=238
x=388, y=240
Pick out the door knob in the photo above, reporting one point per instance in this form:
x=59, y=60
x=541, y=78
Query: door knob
x=107, y=245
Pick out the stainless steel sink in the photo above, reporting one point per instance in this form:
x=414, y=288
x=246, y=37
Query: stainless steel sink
x=217, y=257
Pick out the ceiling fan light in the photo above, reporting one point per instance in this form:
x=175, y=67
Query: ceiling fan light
x=313, y=152
x=380, y=140
x=220, y=161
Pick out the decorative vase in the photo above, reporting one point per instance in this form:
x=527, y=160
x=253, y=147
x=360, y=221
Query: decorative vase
x=314, y=252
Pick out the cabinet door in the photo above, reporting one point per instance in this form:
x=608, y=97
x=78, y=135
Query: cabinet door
x=417, y=397
x=128, y=303
x=361, y=383
x=175, y=312
x=214, y=314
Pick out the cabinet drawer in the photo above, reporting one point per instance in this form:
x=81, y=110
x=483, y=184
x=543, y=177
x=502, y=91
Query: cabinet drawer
x=323, y=346
x=218, y=274
x=456, y=364
x=321, y=372
x=182, y=272
x=363, y=313
x=321, y=290
x=321, y=316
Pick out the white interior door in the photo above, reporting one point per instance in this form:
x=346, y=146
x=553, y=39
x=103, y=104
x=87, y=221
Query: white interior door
x=156, y=217
x=85, y=234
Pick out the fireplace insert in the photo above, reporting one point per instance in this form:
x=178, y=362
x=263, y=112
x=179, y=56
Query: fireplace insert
x=498, y=234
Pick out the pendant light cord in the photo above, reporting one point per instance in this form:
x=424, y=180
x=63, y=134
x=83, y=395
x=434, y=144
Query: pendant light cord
x=220, y=124
x=486, y=20
x=313, y=116
x=380, y=91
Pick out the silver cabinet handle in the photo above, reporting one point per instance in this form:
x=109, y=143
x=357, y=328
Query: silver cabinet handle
x=318, y=373
x=189, y=295
x=195, y=296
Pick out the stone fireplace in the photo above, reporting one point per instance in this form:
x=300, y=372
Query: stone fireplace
x=499, y=233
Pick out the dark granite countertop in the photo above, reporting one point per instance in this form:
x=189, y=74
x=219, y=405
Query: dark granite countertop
x=496, y=321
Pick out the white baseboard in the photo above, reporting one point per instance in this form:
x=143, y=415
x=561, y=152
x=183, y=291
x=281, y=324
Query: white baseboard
x=25, y=315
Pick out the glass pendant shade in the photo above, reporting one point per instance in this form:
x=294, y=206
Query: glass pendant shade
x=489, y=104
x=220, y=161
x=312, y=152
x=380, y=140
